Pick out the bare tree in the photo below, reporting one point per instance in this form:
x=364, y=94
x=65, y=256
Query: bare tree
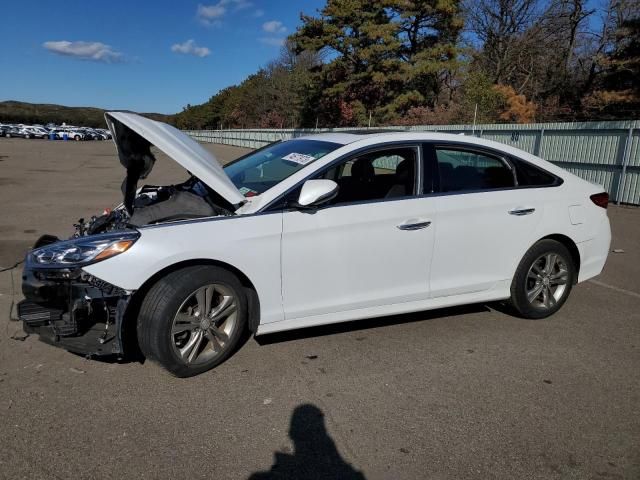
x=500, y=26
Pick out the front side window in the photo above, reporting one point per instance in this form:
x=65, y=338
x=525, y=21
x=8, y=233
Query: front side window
x=383, y=174
x=468, y=170
x=259, y=171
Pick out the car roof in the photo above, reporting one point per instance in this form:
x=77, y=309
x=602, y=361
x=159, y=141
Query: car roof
x=347, y=137
x=374, y=138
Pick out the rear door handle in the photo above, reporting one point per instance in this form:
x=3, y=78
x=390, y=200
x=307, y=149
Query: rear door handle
x=520, y=211
x=414, y=226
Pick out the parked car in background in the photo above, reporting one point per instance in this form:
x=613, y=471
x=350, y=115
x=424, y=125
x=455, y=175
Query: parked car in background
x=27, y=132
x=315, y=230
x=71, y=134
x=37, y=132
x=17, y=132
x=102, y=133
x=40, y=131
x=97, y=135
x=89, y=133
x=105, y=133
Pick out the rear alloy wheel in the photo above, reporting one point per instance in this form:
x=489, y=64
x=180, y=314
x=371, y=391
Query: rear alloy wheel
x=77, y=138
x=543, y=280
x=192, y=319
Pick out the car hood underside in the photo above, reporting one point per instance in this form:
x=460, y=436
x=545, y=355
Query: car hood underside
x=134, y=135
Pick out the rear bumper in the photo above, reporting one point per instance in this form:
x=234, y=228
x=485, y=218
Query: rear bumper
x=73, y=310
x=594, y=252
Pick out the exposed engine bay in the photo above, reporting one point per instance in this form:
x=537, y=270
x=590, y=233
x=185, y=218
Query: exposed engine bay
x=150, y=204
x=157, y=204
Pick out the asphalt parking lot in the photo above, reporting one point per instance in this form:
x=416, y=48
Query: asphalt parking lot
x=449, y=394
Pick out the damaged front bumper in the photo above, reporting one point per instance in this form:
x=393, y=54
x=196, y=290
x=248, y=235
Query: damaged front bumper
x=71, y=309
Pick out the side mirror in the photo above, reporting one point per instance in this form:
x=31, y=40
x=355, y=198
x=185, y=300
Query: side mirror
x=316, y=192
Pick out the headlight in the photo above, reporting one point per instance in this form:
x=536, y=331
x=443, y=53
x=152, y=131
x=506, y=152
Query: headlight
x=84, y=250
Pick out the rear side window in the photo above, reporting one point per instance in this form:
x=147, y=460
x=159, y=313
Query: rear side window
x=532, y=176
x=468, y=170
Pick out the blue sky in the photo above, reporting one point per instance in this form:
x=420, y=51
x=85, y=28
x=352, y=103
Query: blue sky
x=153, y=56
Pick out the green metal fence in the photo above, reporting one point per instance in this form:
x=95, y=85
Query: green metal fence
x=606, y=153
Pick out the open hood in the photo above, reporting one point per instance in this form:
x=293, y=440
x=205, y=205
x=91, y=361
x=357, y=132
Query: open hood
x=134, y=135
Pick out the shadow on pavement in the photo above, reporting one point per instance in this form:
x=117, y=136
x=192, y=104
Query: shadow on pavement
x=135, y=355
x=314, y=456
x=365, y=324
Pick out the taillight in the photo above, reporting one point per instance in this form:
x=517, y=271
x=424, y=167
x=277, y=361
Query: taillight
x=600, y=199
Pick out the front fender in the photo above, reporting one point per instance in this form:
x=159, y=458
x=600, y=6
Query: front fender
x=250, y=243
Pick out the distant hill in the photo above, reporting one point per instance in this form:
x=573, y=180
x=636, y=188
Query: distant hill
x=42, y=113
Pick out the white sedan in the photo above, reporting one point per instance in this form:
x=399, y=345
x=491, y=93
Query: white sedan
x=70, y=134
x=315, y=230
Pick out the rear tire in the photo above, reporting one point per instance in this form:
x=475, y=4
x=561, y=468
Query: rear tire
x=543, y=280
x=192, y=320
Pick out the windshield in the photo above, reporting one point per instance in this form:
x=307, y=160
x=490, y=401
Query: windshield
x=259, y=171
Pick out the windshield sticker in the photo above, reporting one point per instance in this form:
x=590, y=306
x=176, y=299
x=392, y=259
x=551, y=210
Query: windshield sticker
x=299, y=158
x=247, y=192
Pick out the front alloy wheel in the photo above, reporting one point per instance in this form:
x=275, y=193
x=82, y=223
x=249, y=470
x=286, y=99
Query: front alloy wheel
x=192, y=319
x=204, y=323
x=543, y=280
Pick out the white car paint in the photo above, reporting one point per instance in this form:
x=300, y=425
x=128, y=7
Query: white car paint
x=352, y=261
x=37, y=131
x=478, y=243
x=313, y=190
x=359, y=257
x=71, y=134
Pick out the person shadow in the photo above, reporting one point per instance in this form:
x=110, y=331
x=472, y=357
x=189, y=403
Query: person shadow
x=315, y=455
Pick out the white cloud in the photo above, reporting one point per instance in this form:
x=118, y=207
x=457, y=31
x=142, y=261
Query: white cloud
x=239, y=4
x=274, y=26
x=94, y=51
x=190, y=48
x=212, y=14
x=258, y=13
x=273, y=41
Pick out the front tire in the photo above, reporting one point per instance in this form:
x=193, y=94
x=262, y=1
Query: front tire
x=543, y=280
x=192, y=319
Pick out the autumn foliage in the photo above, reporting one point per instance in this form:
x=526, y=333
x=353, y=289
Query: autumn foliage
x=516, y=108
x=411, y=62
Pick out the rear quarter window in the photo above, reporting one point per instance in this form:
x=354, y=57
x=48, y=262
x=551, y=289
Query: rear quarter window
x=531, y=176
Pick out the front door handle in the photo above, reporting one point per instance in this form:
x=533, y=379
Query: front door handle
x=414, y=226
x=520, y=211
